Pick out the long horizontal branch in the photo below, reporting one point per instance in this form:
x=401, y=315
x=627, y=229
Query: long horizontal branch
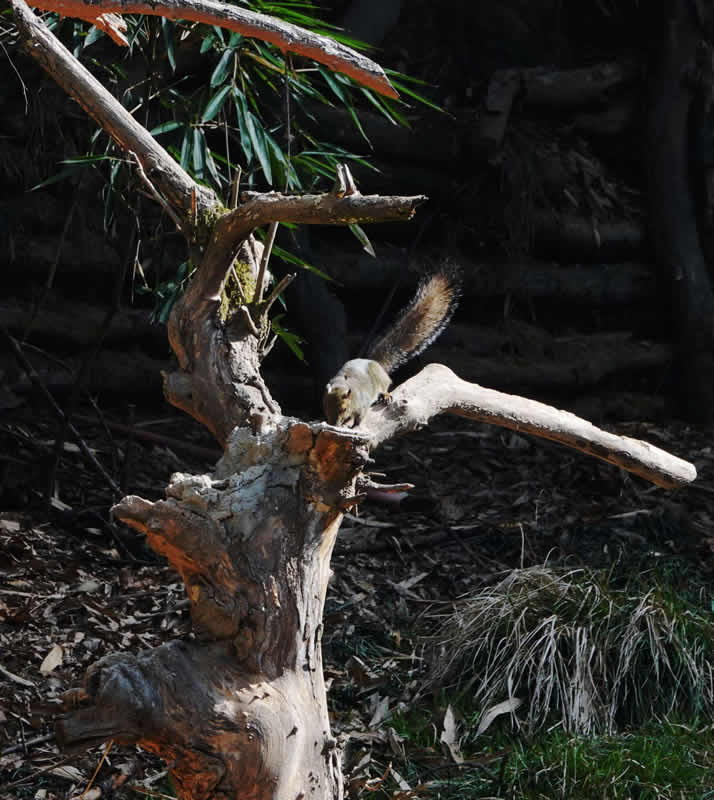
x=178, y=188
x=286, y=36
x=437, y=390
x=309, y=209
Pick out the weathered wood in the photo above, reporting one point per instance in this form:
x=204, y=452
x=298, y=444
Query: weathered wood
x=246, y=716
x=288, y=37
x=436, y=390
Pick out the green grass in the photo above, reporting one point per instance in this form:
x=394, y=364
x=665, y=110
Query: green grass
x=660, y=761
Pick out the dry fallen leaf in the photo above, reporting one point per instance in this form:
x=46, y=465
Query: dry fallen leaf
x=450, y=737
x=381, y=713
x=506, y=707
x=69, y=772
x=52, y=660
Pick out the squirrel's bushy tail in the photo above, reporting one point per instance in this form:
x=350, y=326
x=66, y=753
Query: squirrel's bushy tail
x=419, y=324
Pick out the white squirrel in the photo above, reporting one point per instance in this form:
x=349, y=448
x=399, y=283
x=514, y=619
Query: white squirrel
x=363, y=381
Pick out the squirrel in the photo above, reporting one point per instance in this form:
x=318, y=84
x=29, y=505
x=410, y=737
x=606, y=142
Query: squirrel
x=363, y=381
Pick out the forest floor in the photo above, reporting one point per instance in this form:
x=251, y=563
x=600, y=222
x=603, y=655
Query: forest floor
x=486, y=502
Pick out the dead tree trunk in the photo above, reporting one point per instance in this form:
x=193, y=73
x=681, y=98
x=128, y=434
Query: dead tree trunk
x=240, y=711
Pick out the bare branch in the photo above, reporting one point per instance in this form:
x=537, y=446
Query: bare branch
x=163, y=172
x=260, y=209
x=285, y=281
x=288, y=37
x=437, y=390
x=154, y=193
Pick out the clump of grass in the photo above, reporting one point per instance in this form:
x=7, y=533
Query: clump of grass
x=576, y=648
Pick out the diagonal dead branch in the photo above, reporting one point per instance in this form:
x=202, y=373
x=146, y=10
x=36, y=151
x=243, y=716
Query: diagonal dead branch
x=437, y=390
x=286, y=36
x=163, y=172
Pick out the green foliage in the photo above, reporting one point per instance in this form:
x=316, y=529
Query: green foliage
x=665, y=761
x=168, y=292
x=242, y=113
x=656, y=763
x=233, y=115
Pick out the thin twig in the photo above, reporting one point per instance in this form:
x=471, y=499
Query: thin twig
x=37, y=383
x=243, y=311
x=236, y=187
x=285, y=281
x=273, y=227
x=83, y=373
x=155, y=194
x=211, y=454
x=53, y=269
x=101, y=761
x=267, y=249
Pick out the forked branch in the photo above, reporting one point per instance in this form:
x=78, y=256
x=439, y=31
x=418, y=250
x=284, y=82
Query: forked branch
x=309, y=209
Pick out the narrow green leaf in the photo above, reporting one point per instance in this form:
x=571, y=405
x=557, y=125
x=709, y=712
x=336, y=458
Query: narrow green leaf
x=92, y=36
x=292, y=340
x=353, y=113
x=215, y=103
x=88, y=159
x=241, y=113
x=207, y=42
x=257, y=139
x=60, y=176
x=199, y=152
x=165, y=127
x=384, y=110
x=363, y=239
x=295, y=260
x=212, y=169
x=333, y=84
x=167, y=29
x=222, y=68
x=186, y=148
x=418, y=97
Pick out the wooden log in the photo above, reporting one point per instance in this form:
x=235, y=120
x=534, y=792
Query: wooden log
x=70, y=322
x=598, y=284
x=567, y=236
x=548, y=364
x=576, y=88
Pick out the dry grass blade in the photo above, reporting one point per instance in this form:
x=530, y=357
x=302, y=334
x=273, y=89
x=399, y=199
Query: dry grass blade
x=576, y=648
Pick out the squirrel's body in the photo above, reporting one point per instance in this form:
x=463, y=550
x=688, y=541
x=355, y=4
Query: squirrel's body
x=363, y=381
